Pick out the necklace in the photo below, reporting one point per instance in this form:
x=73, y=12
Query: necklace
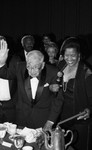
x=64, y=86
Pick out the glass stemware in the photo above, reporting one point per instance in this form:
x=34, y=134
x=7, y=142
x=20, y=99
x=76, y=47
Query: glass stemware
x=2, y=133
x=19, y=141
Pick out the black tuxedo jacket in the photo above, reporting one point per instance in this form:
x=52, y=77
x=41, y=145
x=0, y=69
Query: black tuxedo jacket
x=8, y=108
x=12, y=61
x=46, y=105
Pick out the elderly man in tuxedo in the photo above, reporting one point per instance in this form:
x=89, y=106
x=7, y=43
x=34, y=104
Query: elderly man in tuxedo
x=37, y=106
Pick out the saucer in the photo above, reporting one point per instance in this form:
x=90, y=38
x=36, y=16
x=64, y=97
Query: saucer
x=27, y=148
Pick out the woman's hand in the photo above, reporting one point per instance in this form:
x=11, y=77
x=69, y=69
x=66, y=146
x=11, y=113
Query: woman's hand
x=86, y=115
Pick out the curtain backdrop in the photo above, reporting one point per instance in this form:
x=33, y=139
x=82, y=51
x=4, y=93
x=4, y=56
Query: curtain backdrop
x=61, y=17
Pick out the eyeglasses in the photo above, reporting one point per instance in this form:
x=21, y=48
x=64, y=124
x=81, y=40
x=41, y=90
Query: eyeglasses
x=35, y=67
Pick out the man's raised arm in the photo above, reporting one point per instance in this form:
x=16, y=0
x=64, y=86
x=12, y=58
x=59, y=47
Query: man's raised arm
x=3, y=52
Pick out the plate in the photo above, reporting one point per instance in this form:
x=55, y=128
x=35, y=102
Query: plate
x=27, y=148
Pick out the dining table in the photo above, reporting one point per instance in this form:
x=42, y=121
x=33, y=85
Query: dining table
x=8, y=144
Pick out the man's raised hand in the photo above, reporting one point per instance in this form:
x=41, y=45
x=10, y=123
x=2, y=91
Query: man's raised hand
x=3, y=52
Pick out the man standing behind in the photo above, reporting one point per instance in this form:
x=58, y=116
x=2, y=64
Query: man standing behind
x=27, y=42
x=36, y=105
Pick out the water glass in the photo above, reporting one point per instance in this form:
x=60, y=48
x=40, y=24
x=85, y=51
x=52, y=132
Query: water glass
x=2, y=133
x=12, y=129
x=18, y=141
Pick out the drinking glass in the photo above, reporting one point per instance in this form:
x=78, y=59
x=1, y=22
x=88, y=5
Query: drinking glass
x=2, y=133
x=19, y=141
x=12, y=129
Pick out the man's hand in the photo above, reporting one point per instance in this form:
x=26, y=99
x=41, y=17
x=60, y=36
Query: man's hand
x=54, y=87
x=40, y=140
x=48, y=126
x=3, y=52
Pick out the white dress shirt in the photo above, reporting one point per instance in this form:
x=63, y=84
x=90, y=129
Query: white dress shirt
x=25, y=53
x=4, y=90
x=34, y=84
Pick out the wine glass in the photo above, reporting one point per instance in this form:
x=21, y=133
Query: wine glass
x=18, y=141
x=3, y=130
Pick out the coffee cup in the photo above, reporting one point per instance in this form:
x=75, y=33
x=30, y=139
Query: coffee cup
x=3, y=130
x=12, y=129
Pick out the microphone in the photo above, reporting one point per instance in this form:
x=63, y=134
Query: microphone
x=60, y=74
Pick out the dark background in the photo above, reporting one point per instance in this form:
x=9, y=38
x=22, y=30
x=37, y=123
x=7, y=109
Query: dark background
x=60, y=17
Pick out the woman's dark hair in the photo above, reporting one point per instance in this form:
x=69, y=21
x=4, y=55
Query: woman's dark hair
x=71, y=42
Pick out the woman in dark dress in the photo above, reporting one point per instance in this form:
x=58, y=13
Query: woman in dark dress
x=76, y=85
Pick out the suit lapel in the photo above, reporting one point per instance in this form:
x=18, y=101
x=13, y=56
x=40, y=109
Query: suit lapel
x=42, y=78
x=27, y=85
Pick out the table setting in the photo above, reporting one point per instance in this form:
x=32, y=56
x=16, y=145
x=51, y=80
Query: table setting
x=14, y=138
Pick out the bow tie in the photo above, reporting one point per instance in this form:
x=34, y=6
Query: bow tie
x=30, y=77
x=34, y=77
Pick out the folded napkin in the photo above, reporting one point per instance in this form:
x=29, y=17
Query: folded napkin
x=11, y=128
x=30, y=134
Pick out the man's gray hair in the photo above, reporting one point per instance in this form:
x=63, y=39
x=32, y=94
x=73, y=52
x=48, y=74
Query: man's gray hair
x=36, y=54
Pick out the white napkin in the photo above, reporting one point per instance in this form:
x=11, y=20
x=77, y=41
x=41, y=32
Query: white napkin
x=11, y=128
x=30, y=134
x=7, y=144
